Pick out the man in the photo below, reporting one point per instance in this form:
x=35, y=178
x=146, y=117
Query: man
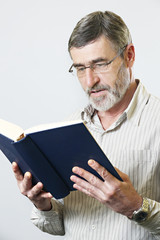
x=125, y=121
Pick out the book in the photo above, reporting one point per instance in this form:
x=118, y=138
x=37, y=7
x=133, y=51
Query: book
x=50, y=152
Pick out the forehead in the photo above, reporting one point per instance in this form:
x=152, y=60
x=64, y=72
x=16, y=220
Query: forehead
x=101, y=48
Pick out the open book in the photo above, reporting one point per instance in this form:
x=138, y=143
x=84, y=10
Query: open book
x=50, y=152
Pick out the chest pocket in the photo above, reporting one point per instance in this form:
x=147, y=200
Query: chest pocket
x=143, y=169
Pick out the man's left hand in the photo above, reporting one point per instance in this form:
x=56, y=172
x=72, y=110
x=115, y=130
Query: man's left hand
x=119, y=196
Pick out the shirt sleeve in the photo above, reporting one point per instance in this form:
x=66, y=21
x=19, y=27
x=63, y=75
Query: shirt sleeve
x=152, y=223
x=49, y=221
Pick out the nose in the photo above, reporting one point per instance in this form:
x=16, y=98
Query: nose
x=91, y=78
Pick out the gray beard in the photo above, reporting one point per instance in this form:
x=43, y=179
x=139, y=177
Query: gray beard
x=114, y=95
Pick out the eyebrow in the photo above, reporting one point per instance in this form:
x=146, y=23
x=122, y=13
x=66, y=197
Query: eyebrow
x=93, y=61
x=78, y=65
x=100, y=60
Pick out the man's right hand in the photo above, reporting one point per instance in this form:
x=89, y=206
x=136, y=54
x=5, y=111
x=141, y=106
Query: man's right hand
x=41, y=199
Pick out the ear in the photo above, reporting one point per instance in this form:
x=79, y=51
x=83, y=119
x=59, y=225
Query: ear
x=129, y=55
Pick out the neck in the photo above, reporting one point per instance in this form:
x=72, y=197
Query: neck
x=108, y=117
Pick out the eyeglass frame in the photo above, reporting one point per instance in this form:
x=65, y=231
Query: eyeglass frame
x=91, y=66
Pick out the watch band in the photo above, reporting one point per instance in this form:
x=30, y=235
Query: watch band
x=141, y=214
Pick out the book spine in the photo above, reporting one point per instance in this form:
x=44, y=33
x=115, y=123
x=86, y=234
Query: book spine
x=41, y=168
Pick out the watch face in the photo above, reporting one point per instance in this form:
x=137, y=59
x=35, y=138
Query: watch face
x=141, y=216
x=143, y=212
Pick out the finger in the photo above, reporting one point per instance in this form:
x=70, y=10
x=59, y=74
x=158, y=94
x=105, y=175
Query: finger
x=106, y=175
x=85, y=187
x=26, y=184
x=27, y=181
x=85, y=191
x=43, y=195
x=17, y=172
x=35, y=191
x=38, y=189
x=92, y=179
x=46, y=195
x=15, y=166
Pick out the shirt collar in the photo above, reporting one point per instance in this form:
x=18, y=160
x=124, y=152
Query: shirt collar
x=137, y=104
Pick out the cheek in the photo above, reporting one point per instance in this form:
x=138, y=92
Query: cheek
x=109, y=79
x=112, y=76
x=83, y=84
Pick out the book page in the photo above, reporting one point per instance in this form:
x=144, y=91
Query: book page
x=48, y=126
x=16, y=133
x=10, y=130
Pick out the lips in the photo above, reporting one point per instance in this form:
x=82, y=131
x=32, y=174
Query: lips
x=97, y=93
x=98, y=90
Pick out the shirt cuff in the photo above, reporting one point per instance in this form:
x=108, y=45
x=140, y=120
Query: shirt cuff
x=152, y=223
x=56, y=206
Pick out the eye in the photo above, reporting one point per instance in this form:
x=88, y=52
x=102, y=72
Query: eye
x=100, y=65
x=80, y=69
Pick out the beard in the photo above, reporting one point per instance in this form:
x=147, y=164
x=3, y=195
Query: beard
x=114, y=95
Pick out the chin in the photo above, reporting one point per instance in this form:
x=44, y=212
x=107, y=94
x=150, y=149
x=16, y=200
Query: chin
x=101, y=107
x=104, y=104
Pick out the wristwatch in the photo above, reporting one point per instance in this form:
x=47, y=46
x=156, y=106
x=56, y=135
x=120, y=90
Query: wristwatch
x=141, y=214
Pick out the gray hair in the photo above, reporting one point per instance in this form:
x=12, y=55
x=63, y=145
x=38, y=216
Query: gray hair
x=96, y=24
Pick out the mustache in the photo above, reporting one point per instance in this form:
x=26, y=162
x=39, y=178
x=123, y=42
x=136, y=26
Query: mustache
x=98, y=87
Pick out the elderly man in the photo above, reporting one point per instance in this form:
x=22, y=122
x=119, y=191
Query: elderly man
x=125, y=121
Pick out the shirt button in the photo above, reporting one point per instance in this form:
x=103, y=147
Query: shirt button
x=93, y=227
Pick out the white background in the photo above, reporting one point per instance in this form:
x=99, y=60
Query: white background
x=35, y=86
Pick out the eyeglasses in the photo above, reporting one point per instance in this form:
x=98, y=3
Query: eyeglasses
x=97, y=67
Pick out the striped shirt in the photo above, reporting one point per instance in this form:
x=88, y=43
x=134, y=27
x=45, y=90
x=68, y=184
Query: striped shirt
x=132, y=144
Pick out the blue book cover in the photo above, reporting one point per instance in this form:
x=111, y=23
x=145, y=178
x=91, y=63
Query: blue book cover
x=51, y=154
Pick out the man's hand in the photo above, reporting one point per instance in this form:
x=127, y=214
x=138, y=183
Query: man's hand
x=41, y=199
x=120, y=196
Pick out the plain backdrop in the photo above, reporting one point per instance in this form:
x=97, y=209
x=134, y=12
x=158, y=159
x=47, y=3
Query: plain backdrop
x=35, y=86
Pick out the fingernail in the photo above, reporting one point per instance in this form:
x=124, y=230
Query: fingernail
x=72, y=178
x=91, y=162
x=14, y=164
x=27, y=174
x=75, y=169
